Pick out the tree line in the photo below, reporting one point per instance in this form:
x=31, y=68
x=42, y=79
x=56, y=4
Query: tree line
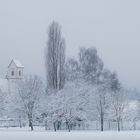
x=75, y=92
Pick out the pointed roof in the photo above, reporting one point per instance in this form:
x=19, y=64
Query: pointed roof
x=17, y=63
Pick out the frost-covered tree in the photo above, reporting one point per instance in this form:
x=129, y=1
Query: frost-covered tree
x=30, y=90
x=117, y=102
x=102, y=97
x=74, y=102
x=90, y=64
x=115, y=85
x=66, y=109
x=55, y=58
x=52, y=107
x=100, y=82
x=118, y=105
x=137, y=108
x=72, y=70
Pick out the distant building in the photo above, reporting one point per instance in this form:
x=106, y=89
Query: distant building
x=14, y=74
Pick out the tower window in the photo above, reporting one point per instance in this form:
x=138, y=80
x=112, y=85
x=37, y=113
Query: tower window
x=19, y=73
x=12, y=73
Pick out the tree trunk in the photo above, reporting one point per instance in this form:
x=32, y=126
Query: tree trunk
x=30, y=121
x=68, y=126
x=58, y=125
x=134, y=124
x=54, y=125
x=45, y=124
x=31, y=125
x=109, y=124
x=102, y=122
x=20, y=124
x=118, y=123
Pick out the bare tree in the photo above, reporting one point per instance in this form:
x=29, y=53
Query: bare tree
x=30, y=90
x=55, y=58
x=102, y=96
x=119, y=104
x=117, y=99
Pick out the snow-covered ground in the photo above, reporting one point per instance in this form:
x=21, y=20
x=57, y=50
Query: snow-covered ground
x=25, y=134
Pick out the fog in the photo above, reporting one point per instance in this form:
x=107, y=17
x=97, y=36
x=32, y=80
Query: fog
x=112, y=26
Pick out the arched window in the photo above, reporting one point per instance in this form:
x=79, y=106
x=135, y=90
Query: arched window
x=12, y=73
x=19, y=73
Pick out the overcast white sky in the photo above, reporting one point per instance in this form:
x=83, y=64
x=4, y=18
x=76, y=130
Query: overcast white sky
x=113, y=26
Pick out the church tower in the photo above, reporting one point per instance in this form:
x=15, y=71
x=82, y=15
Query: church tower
x=14, y=74
x=15, y=70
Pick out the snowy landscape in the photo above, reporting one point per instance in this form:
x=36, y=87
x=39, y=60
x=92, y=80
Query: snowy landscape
x=69, y=70
x=73, y=135
x=6, y=135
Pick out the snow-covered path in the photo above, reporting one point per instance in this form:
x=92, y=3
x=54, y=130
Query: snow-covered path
x=22, y=135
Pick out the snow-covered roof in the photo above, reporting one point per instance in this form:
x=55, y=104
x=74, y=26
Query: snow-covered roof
x=17, y=63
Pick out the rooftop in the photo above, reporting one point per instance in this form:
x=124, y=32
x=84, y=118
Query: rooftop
x=17, y=63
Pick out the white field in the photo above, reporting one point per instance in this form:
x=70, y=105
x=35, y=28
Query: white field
x=22, y=134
